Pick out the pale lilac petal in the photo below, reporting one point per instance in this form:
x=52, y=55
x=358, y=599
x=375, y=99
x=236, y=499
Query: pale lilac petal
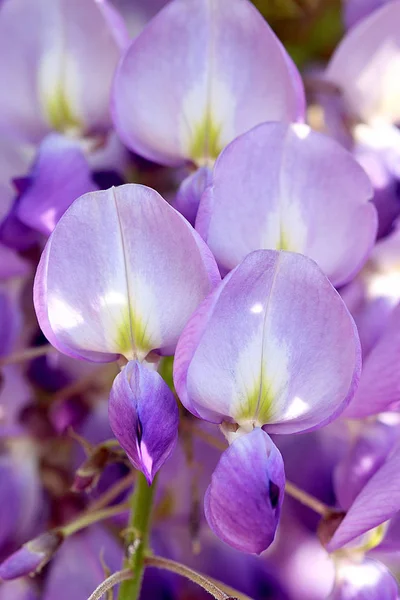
x=378, y=501
x=286, y=187
x=366, y=580
x=379, y=388
x=188, y=196
x=244, y=499
x=144, y=417
x=366, y=66
x=253, y=353
x=220, y=71
x=59, y=176
x=121, y=274
x=365, y=456
x=391, y=541
x=51, y=52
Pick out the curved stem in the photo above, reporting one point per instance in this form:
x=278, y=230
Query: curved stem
x=139, y=531
x=26, y=354
x=308, y=500
x=112, y=493
x=92, y=517
x=110, y=582
x=200, y=580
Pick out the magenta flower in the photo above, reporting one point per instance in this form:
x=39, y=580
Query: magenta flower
x=286, y=187
x=251, y=357
x=224, y=71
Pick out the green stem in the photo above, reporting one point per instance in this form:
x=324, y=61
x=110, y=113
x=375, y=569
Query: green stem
x=139, y=531
x=92, y=517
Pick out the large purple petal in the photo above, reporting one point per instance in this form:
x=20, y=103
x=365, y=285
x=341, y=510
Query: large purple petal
x=365, y=66
x=243, y=502
x=59, y=176
x=377, y=502
x=287, y=187
x=18, y=590
x=121, y=274
x=379, y=388
x=366, y=455
x=144, y=417
x=51, y=52
x=253, y=352
x=78, y=567
x=224, y=69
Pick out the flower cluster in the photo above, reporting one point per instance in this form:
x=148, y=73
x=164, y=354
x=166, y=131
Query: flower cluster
x=209, y=242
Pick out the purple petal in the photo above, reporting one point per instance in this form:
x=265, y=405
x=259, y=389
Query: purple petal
x=121, y=274
x=78, y=567
x=378, y=501
x=356, y=10
x=286, y=187
x=252, y=353
x=243, y=502
x=379, y=388
x=391, y=541
x=11, y=264
x=190, y=191
x=59, y=176
x=18, y=590
x=224, y=69
x=365, y=66
x=366, y=580
x=366, y=455
x=144, y=417
x=10, y=322
x=50, y=72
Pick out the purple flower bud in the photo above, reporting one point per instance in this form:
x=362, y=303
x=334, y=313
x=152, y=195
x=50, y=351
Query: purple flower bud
x=89, y=473
x=32, y=556
x=144, y=417
x=243, y=502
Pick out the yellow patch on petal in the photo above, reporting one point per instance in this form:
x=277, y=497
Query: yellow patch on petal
x=258, y=405
x=131, y=338
x=284, y=242
x=59, y=112
x=206, y=145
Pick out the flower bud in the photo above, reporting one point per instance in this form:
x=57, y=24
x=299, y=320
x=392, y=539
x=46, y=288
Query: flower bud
x=32, y=556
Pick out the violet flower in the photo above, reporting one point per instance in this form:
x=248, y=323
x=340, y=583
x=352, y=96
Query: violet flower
x=250, y=357
x=126, y=288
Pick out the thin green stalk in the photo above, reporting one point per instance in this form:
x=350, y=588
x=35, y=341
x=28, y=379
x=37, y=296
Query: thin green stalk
x=92, y=517
x=138, y=538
